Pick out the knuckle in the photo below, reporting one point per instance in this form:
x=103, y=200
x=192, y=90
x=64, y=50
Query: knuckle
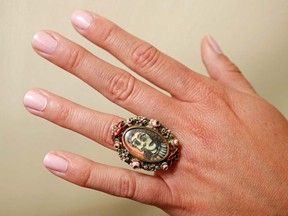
x=75, y=59
x=86, y=177
x=209, y=94
x=106, y=132
x=213, y=97
x=231, y=67
x=145, y=56
x=122, y=86
x=63, y=115
x=127, y=186
x=108, y=32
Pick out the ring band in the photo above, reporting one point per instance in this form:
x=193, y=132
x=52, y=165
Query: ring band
x=145, y=144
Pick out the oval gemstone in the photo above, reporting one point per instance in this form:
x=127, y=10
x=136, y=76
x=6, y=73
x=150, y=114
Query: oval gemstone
x=145, y=144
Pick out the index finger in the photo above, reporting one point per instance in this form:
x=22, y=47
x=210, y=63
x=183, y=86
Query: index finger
x=138, y=55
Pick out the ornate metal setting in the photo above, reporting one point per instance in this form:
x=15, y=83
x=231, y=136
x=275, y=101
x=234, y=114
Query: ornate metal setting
x=145, y=143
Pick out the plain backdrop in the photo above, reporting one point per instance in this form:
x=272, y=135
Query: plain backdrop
x=253, y=33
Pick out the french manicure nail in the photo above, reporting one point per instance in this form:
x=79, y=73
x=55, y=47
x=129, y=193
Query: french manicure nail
x=55, y=163
x=214, y=45
x=35, y=100
x=81, y=19
x=44, y=42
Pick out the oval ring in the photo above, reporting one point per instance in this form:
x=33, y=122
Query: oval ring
x=145, y=144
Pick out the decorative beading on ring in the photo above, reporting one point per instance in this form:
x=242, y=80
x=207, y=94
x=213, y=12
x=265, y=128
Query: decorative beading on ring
x=145, y=143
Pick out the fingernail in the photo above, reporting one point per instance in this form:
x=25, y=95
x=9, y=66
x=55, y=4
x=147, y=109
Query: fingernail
x=44, y=42
x=214, y=45
x=55, y=163
x=35, y=100
x=81, y=19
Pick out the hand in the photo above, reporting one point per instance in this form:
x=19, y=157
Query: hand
x=234, y=145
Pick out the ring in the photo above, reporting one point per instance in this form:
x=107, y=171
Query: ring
x=145, y=144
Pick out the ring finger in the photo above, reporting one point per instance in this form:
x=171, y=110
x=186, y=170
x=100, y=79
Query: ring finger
x=92, y=124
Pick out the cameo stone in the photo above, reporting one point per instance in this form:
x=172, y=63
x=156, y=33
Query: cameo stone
x=145, y=144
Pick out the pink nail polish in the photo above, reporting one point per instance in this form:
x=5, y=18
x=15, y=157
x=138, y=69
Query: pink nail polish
x=35, y=100
x=81, y=19
x=214, y=45
x=55, y=163
x=44, y=42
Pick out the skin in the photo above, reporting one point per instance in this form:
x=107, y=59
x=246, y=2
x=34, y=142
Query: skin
x=234, y=145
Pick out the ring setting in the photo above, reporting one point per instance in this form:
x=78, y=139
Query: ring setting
x=145, y=144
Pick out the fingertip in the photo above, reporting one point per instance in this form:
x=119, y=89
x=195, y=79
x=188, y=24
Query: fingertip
x=44, y=42
x=213, y=44
x=81, y=19
x=55, y=163
x=212, y=56
x=35, y=100
x=221, y=68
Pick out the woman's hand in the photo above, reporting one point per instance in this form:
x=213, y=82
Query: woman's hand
x=234, y=145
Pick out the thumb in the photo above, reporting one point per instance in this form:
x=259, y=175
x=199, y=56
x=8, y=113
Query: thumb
x=221, y=69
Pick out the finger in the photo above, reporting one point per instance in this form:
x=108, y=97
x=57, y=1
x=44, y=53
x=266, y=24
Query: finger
x=115, y=181
x=220, y=68
x=114, y=83
x=92, y=124
x=138, y=55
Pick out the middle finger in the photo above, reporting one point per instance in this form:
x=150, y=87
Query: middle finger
x=114, y=83
x=137, y=54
